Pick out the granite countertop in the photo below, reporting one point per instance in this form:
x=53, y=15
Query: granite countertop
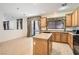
x=70, y=32
x=45, y=36
x=52, y=31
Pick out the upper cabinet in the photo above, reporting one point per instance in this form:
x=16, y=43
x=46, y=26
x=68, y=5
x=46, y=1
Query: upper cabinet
x=69, y=20
x=43, y=23
x=72, y=19
x=78, y=16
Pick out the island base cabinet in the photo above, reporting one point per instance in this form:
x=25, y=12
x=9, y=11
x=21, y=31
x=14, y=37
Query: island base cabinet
x=39, y=47
x=42, y=47
x=64, y=37
x=50, y=45
x=59, y=37
x=56, y=37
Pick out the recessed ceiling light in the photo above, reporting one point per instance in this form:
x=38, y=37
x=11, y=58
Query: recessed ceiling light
x=64, y=4
x=63, y=7
x=17, y=8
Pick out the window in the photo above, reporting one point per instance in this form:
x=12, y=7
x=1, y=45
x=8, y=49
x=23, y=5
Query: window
x=6, y=25
x=58, y=24
x=13, y=24
x=19, y=23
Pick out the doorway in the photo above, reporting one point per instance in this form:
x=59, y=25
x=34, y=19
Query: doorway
x=35, y=27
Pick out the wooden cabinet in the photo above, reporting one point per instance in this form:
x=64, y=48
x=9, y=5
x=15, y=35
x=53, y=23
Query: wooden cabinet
x=57, y=36
x=75, y=17
x=40, y=47
x=78, y=17
x=70, y=40
x=64, y=37
x=43, y=23
x=68, y=20
x=73, y=21
x=53, y=36
x=50, y=45
x=42, y=44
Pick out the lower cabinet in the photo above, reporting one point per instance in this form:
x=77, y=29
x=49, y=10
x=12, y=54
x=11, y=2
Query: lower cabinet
x=53, y=36
x=70, y=40
x=64, y=37
x=59, y=37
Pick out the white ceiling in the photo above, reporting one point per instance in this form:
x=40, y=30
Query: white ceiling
x=33, y=9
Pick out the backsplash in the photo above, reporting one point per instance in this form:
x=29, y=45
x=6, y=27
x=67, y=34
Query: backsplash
x=77, y=28
x=72, y=28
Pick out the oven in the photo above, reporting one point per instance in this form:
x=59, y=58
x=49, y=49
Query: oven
x=76, y=42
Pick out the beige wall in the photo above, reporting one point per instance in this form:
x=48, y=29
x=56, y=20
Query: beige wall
x=6, y=35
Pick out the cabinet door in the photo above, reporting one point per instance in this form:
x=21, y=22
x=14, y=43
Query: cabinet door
x=69, y=20
x=64, y=37
x=73, y=21
x=75, y=17
x=43, y=23
x=40, y=47
x=70, y=40
x=53, y=36
x=57, y=36
x=78, y=17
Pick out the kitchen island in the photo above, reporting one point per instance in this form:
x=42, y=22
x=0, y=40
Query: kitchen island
x=42, y=44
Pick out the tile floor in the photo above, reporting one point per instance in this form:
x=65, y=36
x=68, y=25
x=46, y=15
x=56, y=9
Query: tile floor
x=61, y=49
x=24, y=46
